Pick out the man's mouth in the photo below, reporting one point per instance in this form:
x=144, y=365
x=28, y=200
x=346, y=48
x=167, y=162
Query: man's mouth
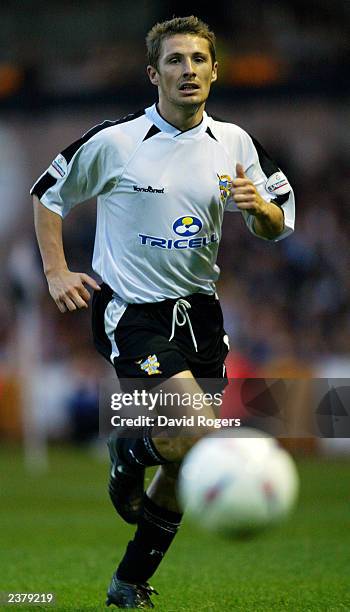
x=188, y=87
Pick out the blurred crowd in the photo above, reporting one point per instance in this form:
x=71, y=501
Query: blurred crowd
x=45, y=57
x=294, y=296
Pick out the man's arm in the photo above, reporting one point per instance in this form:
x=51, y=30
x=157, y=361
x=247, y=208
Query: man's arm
x=269, y=222
x=269, y=218
x=66, y=288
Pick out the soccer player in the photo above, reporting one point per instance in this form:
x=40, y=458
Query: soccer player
x=163, y=178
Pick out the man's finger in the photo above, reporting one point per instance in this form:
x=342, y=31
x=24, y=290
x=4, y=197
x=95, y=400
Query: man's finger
x=243, y=197
x=240, y=171
x=90, y=281
x=83, y=292
x=61, y=307
x=69, y=303
x=77, y=299
x=246, y=205
x=244, y=189
x=241, y=182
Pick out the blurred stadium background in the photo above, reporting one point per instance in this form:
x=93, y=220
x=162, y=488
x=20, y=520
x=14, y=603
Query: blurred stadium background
x=284, y=77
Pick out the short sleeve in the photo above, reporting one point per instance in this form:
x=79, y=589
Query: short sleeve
x=85, y=169
x=270, y=182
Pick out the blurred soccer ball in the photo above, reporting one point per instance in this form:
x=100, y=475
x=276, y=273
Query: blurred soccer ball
x=238, y=484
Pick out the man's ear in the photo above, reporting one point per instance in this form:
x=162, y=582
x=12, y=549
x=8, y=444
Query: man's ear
x=153, y=75
x=214, y=74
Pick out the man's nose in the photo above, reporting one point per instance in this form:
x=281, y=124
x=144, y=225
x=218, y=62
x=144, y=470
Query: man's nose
x=188, y=68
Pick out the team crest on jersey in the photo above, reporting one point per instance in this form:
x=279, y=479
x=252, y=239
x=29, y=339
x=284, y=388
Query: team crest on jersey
x=225, y=184
x=150, y=365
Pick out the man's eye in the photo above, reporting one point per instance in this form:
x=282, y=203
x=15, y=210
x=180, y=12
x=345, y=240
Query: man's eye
x=174, y=60
x=200, y=59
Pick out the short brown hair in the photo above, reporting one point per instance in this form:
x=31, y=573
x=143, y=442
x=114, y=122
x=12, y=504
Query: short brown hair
x=177, y=25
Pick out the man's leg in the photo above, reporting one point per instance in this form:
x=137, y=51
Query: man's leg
x=152, y=446
x=161, y=516
x=162, y=490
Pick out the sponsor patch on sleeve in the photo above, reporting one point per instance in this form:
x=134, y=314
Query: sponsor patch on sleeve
x=277, y=184
x=58, y=168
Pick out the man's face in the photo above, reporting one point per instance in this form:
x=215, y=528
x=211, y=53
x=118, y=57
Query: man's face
x=185, y=71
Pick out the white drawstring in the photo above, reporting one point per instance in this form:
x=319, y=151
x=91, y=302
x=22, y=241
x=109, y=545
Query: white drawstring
x=180, y=307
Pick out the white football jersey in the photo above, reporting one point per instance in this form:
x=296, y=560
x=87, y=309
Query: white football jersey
x=161, y=196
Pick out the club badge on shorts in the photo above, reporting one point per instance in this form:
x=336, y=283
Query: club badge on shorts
x=150, y=365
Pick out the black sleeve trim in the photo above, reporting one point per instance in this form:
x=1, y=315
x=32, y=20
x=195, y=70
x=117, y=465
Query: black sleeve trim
x=280, y=199
x=47, y=181
x=267, y=164
x=43, y=184
x=70, y=151
x=269, y=167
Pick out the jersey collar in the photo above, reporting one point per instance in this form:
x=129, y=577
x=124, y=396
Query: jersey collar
x=154, y=116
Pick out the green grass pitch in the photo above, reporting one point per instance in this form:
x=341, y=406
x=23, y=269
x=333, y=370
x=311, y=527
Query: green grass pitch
x=59, y=534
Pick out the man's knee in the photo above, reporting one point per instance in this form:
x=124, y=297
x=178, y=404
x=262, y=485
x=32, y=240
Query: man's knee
x=173, y=444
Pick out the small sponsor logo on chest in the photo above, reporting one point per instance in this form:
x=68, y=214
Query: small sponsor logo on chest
x=148, y=189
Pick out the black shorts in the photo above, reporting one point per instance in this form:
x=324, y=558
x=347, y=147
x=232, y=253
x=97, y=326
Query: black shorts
x=142, y=338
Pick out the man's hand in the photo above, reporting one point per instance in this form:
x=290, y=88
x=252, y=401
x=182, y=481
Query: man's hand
x=269, y=218
x=67, y=289
x=246, y=195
